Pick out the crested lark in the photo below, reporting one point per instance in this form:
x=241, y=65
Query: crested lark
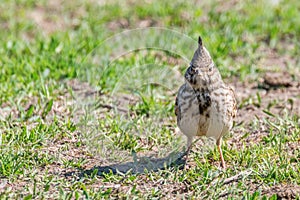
x=204, y=106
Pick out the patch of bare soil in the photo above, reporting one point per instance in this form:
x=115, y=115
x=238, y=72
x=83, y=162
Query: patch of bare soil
x=272, y=60
x=283, y=191
x=277, y=93
x=51, y=17
x=224, y=6
x=124, y=23
x=118, y=24
x=45, y=20
x=276, y=80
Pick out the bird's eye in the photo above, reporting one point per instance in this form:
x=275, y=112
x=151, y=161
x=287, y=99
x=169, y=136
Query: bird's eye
x=210, y=67
x=192, y=70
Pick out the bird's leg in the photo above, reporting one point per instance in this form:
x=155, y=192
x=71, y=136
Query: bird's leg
x=219, y=142
x=189, y=146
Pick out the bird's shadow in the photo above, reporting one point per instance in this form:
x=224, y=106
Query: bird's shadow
x=139, y=165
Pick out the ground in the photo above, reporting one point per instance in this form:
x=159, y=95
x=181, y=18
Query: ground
x=87, y=99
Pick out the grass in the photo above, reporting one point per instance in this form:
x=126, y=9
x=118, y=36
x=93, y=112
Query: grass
x=64, y=64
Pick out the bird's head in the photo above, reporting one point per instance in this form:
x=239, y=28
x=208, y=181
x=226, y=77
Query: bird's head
x=201, y=64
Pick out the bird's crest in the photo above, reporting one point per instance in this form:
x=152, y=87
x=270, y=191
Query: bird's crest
x=201, y=56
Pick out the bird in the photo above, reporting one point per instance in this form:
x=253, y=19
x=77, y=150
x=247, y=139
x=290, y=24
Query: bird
x=204, y=105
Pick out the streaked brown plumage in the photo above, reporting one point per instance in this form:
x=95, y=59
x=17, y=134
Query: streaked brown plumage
x=204, y=106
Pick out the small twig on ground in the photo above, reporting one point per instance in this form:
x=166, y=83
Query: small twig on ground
x=237, y=177
x=233, y=178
